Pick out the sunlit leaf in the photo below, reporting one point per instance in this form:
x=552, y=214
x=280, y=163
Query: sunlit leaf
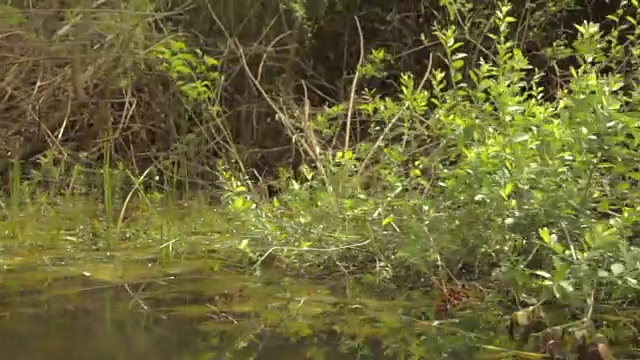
x=545, y=235
x=617, y=268
x=603, y=273
x=542, y=273
x=521, y=137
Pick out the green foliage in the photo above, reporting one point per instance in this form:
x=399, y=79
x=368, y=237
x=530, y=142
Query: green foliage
x=467, y=171
x=479, y=173
x=195, y=73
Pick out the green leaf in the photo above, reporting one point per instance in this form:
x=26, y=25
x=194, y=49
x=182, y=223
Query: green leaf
x=240, y=190
x=545, y=235
x=520, y=137
x=566, y=286
x=241, y=204
x=617, y=269
x=556, y=246
x=623, y=186
x=387, y=220
x=634, y=175
x=457, y=64
x=603, y=206
x=562, y=269
x=508, y=189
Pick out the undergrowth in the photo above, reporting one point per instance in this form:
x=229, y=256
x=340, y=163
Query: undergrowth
x=468, y=172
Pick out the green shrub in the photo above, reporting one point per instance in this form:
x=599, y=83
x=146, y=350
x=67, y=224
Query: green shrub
x=475, y=172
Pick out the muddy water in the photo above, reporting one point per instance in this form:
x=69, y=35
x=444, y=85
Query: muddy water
x=84, y=335
x=201, y=315
x=173, y=319
x=82, y=312
x=72, y=335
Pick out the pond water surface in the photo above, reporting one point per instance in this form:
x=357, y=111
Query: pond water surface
x=206, y=317
x=94, y=315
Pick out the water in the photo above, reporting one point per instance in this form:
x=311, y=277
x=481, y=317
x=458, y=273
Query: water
x=85, y=335
x=171, y=319
x=198, y=316
x=88, y=334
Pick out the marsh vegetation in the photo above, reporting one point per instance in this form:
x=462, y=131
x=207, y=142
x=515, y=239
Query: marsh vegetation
x=319, y=179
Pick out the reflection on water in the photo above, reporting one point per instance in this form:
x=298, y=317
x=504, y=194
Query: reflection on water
x=84, y=335
x=93, y=334
x=228, y=316
x=223, y=316
x=102, y=325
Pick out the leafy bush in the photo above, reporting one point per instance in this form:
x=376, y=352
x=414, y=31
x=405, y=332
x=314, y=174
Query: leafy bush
x=468, y=170
x=472, y=171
